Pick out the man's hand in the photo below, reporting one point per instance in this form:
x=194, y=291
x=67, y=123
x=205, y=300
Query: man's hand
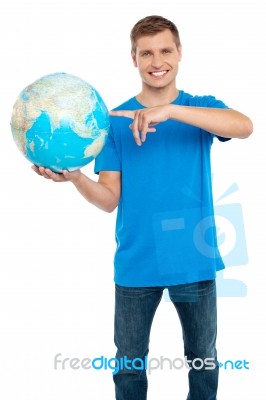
x=144, y=120
x=65, y=176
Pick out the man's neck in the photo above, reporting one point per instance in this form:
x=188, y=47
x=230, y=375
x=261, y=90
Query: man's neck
x=152, y=97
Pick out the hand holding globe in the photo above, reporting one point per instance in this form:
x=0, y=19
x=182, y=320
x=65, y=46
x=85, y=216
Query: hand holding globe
x=63, y=176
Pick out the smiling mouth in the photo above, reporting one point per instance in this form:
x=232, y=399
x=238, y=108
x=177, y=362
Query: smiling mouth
x=158, y=73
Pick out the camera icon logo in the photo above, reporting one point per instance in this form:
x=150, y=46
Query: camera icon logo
x=206, y=236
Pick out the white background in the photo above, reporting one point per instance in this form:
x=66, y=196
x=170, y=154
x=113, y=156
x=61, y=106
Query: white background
x=56, y=272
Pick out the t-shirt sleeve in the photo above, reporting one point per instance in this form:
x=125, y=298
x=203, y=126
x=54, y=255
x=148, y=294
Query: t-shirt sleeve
x=108, y=159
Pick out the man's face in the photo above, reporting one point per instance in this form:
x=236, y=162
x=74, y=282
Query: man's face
x=157, y=59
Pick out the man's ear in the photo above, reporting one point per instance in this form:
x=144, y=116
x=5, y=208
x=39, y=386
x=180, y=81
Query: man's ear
x=134, y=58
x=179, y=49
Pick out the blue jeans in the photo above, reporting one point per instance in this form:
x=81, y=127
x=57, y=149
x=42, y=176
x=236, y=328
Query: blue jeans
x=135, y=308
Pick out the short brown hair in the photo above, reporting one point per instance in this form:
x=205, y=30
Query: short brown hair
x=150, y=26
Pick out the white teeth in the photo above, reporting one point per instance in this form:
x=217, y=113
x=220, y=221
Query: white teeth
x=160, y=73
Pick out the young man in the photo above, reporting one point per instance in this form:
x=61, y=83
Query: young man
x=155, y=167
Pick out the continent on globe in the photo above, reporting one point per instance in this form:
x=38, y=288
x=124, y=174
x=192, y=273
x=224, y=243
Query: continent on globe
x=60, y=122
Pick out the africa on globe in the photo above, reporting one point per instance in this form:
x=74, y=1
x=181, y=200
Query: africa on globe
x=60, y=122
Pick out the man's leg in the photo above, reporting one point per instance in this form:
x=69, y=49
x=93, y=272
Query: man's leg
x=196, y=307
x=134, y=312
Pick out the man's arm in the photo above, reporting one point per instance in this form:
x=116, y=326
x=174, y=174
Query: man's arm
x=226, y=123
x=104, y=194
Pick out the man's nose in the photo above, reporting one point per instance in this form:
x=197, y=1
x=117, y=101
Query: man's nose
x=157, y=61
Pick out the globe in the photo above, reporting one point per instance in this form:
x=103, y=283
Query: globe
x=60, y=122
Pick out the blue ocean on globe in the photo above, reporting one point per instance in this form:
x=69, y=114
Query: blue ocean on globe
x=60, y=122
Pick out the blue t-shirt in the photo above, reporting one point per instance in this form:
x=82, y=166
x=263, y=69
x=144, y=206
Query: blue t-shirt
x=165, y=230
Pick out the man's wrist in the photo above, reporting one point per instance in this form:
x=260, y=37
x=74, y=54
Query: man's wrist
x=172, y=111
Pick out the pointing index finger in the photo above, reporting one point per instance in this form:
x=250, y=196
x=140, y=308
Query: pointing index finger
x=123, y=113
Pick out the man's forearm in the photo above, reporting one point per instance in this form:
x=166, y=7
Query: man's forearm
x=96, y=193
x=222, y=122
